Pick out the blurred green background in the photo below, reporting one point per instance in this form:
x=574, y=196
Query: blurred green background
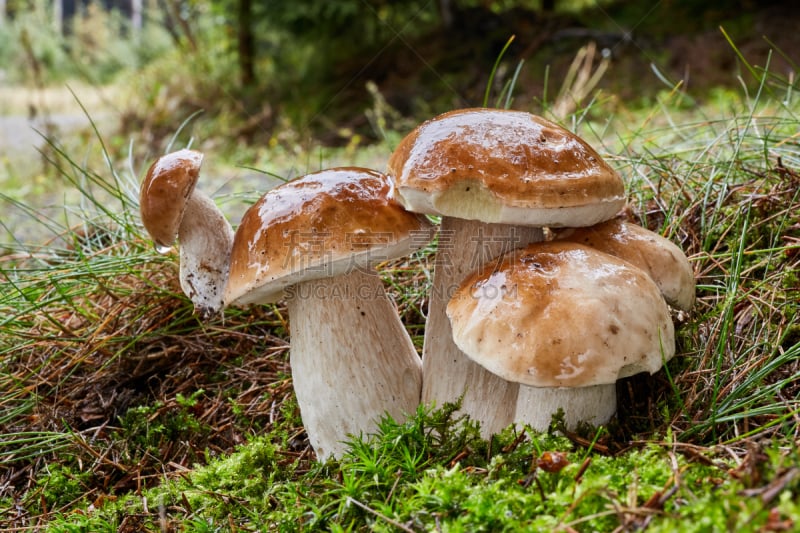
x=287, y=87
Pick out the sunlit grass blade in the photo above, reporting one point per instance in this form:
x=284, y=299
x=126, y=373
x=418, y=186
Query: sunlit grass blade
x=490, y=81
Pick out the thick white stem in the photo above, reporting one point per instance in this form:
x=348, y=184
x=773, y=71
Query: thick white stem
x=536, y=406
x=448, y=374
x=205, y=238
x=352, y=360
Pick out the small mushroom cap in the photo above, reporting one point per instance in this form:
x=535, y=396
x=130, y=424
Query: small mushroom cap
x=560, y=314
x=164, y=192
x=504, y=166
x=664, y=261
x=321, y=225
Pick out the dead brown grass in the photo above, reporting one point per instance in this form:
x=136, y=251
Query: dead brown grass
x=132, y=346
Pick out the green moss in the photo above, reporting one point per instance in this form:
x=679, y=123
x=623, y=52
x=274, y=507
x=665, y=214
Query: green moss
x=62, y=484
x=409, y=475
x=145, y=429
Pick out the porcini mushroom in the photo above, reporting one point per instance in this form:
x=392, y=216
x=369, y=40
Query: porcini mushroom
x=496, y=177
x=171, y=208
x=313, y=240
x=662, y=259
x=565, y=321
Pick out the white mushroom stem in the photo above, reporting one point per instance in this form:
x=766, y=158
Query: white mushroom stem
x=205, y=237
x=448, y=374
x=352, y=360
x=594, y=404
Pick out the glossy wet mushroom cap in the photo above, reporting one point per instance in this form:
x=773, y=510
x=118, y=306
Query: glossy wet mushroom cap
x=663, y=260
x=318, y=226
x=506, y=167
x=165, y=191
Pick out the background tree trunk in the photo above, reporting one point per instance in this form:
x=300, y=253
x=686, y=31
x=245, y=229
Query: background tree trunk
x=58, y=16
x=246, y=44
x=446, y=12
x=136, y=16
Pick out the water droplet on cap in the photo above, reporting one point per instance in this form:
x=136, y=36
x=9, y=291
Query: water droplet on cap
x=162, y=249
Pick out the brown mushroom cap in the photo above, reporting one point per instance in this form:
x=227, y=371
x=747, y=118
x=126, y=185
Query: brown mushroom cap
x=664, y=261
x=319, y=226
x=165, y=191
x=504, y=166
x=560, y=314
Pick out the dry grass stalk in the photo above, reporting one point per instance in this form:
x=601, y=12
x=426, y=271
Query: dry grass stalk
x=582, y=77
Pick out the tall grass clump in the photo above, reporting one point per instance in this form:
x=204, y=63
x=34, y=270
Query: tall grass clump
x=120, y=411
x=727, y=189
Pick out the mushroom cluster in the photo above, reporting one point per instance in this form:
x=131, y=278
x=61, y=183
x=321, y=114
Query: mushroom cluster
x=518, y=326
x=520, y=330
